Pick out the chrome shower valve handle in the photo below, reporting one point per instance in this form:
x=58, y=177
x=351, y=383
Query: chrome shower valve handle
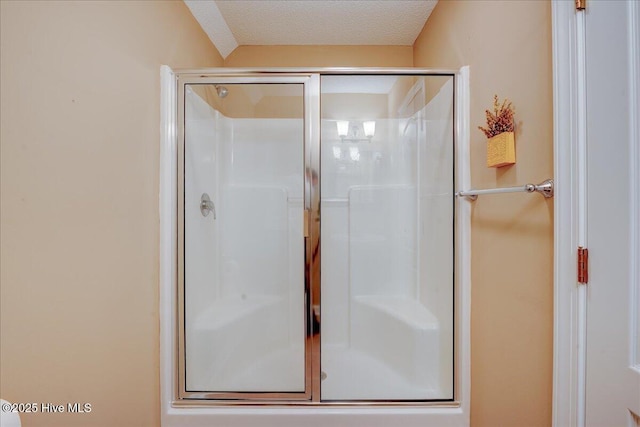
x=206, y=205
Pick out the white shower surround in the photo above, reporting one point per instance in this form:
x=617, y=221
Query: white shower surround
x=244, y=303
x=181, y=415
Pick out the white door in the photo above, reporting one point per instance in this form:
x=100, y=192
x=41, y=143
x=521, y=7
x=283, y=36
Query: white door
x=612, y=219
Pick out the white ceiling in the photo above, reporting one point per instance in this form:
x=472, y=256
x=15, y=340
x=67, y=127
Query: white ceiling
x=233, y=23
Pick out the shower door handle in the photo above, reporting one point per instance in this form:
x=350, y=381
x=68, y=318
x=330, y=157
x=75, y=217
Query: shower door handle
x=206, y=205
x=305, y=223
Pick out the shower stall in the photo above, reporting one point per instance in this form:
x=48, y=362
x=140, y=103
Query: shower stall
x=315, y=230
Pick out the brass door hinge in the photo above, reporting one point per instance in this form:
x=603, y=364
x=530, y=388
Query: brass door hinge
x=581, y=4
x=583, y=265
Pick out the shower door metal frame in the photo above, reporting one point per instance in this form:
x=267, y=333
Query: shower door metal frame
x=311, y=207
x=459, y=405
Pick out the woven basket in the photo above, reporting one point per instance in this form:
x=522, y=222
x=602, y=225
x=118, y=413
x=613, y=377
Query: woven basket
x=501, y=150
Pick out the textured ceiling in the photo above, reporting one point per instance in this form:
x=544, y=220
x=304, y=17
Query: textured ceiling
x=232, y=23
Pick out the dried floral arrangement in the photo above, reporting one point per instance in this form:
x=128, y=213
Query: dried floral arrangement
x=501, y=120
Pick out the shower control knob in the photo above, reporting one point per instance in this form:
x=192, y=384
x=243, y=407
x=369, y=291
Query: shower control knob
x=206, y=205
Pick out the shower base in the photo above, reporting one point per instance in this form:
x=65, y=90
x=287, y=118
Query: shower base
x=229, y=356
x=285, y=364
x=354, y=375
x=392, y=353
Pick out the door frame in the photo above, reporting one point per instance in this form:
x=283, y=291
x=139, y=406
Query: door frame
x=570, y=222
x=177, y=412
x=569, y=148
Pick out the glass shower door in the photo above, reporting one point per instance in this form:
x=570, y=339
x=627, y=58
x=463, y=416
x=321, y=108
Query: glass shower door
x=387, y=236
x=251, y=275
x=244, y=305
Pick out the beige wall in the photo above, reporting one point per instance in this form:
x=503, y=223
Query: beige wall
x=79, y=152
x=508, y=47
x=320, y=56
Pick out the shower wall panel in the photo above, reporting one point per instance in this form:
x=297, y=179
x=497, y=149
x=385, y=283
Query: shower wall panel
x=201, y=176
x=436, y=250
x=382, y=240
